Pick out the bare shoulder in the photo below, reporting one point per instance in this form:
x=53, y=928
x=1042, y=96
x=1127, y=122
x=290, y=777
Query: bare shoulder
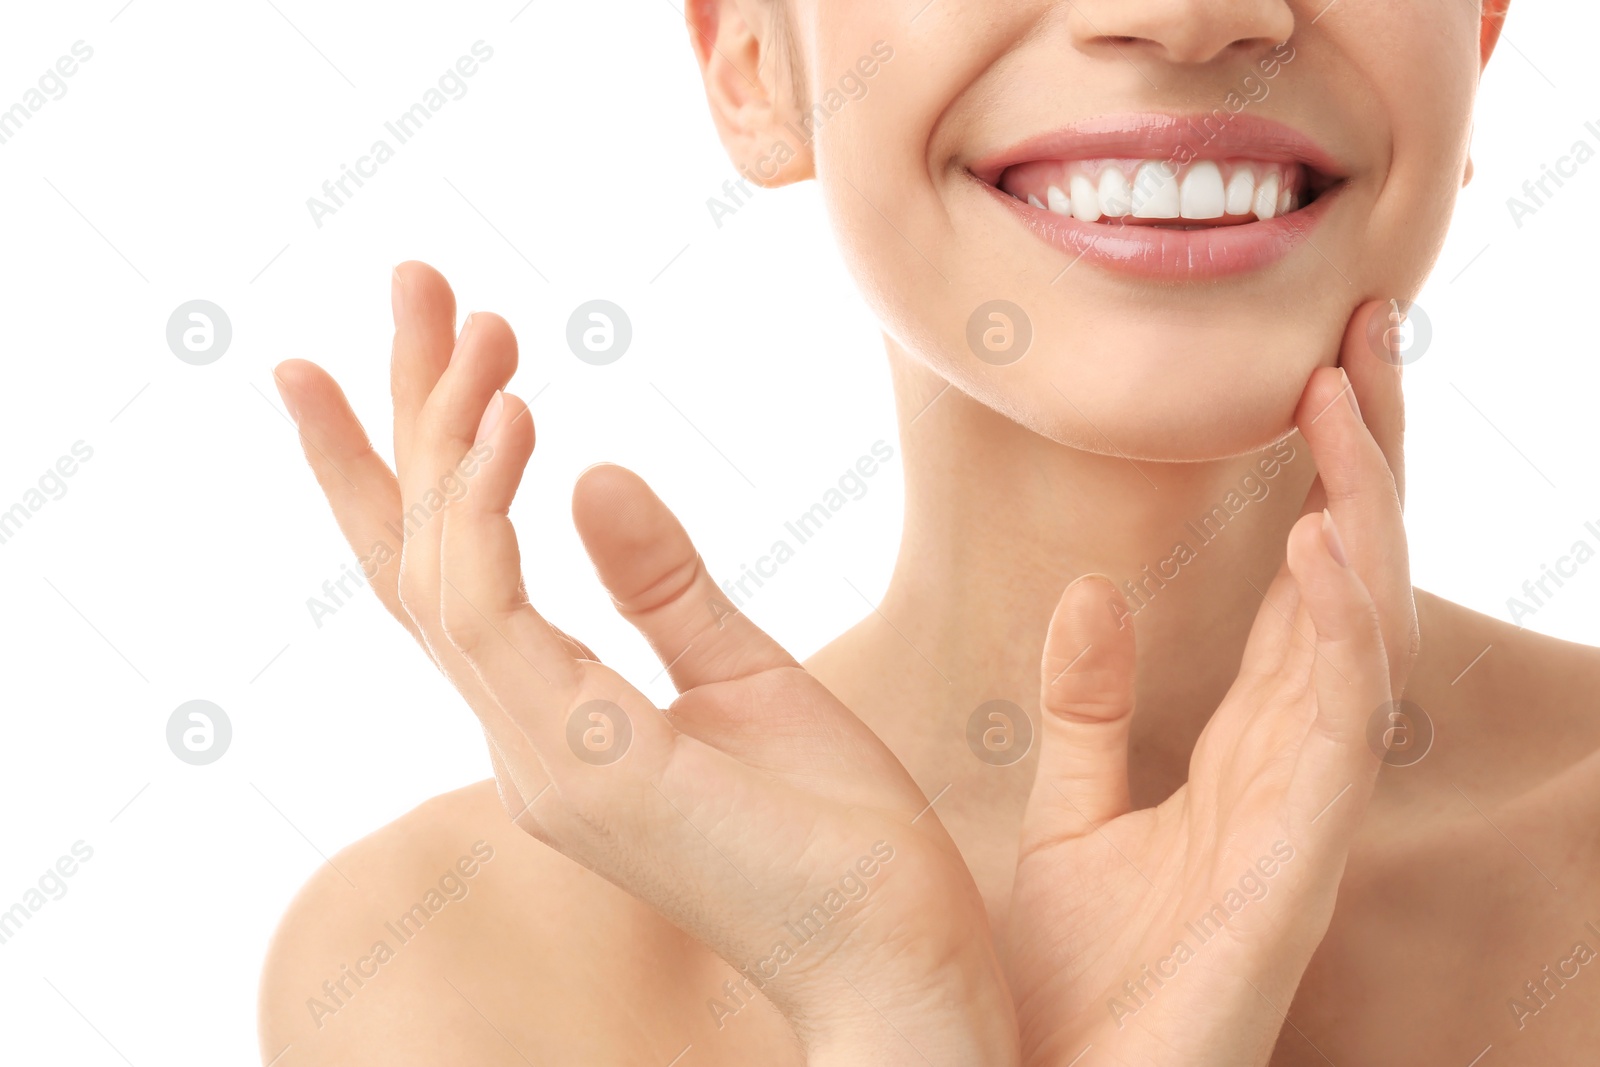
x=1525, y=701
x=451, y=936
x=1472, y=894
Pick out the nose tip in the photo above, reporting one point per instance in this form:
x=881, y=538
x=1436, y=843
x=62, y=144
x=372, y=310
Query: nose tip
x=1188, y=32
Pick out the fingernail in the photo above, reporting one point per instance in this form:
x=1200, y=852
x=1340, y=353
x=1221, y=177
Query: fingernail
x=1330, y=537
x=397, y=294
x=466, y=324
x=1350, y=393
x=1397, y=317
x=491, y=416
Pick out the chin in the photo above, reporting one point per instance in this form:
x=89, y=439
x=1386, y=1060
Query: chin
x=1159, y=395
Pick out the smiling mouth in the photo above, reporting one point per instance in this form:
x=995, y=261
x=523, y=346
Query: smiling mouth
x=1197, y=195
x=1169, y=197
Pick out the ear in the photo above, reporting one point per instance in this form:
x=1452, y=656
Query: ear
x=743, y=50
x=1490, y=23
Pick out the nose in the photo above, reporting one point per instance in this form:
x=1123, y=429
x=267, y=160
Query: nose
x=1179, y=31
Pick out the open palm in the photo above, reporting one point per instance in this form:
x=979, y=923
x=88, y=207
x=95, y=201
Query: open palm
x=756, y=812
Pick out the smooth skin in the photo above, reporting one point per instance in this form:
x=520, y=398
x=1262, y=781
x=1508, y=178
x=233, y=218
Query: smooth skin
x=1469, y=872
x=749, y=793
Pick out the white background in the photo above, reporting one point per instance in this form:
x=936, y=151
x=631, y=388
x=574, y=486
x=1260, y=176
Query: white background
x=178, y=564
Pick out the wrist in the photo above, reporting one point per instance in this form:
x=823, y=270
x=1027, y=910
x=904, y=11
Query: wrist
x=965, y=1020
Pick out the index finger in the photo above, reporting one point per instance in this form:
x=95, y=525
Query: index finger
x=1371, y=357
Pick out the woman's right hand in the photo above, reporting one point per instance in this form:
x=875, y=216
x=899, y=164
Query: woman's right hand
x=1178, y=934
x=757, y=812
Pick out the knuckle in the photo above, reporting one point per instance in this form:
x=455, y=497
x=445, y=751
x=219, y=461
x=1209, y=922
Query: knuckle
x=418, y=596
x=462, y=626
x=1099, y=696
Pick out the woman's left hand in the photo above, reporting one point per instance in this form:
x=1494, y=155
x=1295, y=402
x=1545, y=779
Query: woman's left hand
x=1177, y=935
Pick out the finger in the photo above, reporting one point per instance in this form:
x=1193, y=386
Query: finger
x=1353, y=470
x=1365, y=502
x=660, y=584
x=1280, y=633
x=1370, y=355
x=1316, y=498
x=526, y=667
x=442, y=463
x=485, y=612
x=521, y=785
x=1336, y=767
x=505, y=785
x=361, y=491
x=1085, y=706
x=481, y=363
x=424, y=335
x=365, y=498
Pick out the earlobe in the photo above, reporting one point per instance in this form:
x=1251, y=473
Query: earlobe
x=744, y=62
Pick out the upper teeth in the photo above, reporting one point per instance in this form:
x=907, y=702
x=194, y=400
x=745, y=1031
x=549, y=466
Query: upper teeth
x=1157, y=189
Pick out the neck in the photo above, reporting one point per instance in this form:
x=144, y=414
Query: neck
x=999, y=520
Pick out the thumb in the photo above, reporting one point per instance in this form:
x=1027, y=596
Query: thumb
x=1085, y=704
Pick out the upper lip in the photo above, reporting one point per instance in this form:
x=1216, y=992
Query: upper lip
x=1162, y=136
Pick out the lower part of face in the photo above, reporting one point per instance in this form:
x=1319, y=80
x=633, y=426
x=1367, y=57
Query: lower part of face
x=1136, y=226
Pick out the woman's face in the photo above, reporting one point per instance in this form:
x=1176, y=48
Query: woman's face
x=1175, y=205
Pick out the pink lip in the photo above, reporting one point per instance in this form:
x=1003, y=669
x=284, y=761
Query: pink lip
x=1156, y=252
x=1153, y=252
x=1160, y=136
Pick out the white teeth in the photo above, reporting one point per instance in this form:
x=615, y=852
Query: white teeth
x=1116, y=196
x=1085, y=200
x=1089, y=190
x=1155, y=192
x=1241, y=192
x=1201, y=194
x=1266, y=202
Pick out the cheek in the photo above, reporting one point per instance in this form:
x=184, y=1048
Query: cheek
x=1121, y=366
x=1085, y=358
x=1421, y=96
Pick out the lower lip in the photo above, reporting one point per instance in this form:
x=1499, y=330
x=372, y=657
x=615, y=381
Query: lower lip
x=1173, y=255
